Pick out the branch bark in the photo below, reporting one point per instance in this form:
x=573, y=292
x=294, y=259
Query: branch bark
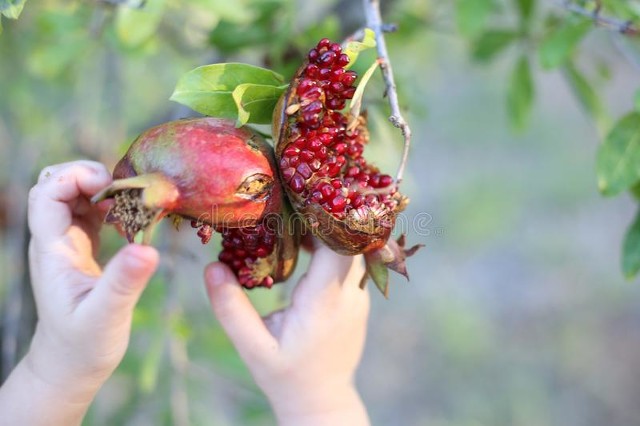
x=623, y=27
x=374, y=21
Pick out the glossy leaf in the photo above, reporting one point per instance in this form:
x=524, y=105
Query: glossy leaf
x=491, y=43
x=561, y=42
x=209, y=89
x=256, y=102
x=631, y=249
x=520, y=94
x=472, y=15
x=618, y=161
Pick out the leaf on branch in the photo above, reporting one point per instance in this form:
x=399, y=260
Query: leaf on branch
x=255, y=102
x=587, y=97
x=11, y=8
x=520, y=94
x=472, y=15
x=209, y=90
x=560, y=43
x=618, y=160
x=354, y=47
x=631, y=249
x=491, y=43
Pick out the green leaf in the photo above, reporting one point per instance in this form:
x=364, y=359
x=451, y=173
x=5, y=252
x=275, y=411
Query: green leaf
x=586, y=95
x=11, y=8
x=356, y=101
x=256, y=102
x=636, y=100
x=490, y=43
x=354, y=47
x=136, y=26
x=631, y=249
x=520, y=94
x=525, y=11
x=472, y=15
x=618, y=161
x=560, y=43
x=209, y=89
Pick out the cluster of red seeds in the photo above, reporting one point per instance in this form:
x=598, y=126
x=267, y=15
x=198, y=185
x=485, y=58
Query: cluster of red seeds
x=243, y=246
x=324, y=162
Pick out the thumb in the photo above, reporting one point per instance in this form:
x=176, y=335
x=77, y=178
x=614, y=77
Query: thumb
x=237, y=316
x=123, y=280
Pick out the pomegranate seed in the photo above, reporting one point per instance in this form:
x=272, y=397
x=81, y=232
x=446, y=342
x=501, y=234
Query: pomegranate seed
x=340, y=147
x=326, y=58
x=353, y=171
x=297, y=183
x=262, y=252
x=338, y=203
x=313, y=93
x=294, y=161
x=385, y=180
x=300, y=143
x=335, y=47
x=336, y=103
x=357, y=201
x=336, y=183
x=290, y=151
x=336, y=74
x=313, y=108
x=324, y=75
x=313, y=55
x=348, y=92
x=322, y=153
x=315, y=164
x=326, y=190
x=325, y=42
x=348, y=78
x=342, y=60
x=288, y=173
x=304, y=170
x=306, y=155
x=312, y=70
x=375, y=181
x=314, y=144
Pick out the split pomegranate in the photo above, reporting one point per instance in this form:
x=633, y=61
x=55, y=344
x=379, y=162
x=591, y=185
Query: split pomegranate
x=346, y=202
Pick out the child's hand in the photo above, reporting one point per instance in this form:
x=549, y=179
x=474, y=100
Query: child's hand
x=84, y=312
x=303, y=357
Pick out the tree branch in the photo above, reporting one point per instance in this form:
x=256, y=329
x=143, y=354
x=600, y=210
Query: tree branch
x=623, y=27
x=374, y=21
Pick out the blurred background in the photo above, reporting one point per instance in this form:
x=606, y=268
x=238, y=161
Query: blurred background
x=517, y=312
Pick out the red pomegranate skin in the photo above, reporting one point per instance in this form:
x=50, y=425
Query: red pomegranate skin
x=211, y=162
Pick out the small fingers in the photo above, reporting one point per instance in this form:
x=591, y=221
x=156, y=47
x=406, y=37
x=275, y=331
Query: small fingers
x=237, y=316
x=324, y=278
x=121, y=284
x=53, y=199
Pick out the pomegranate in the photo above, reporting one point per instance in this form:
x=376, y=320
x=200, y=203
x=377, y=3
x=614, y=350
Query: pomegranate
x=346, y=202
x=220, y=178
